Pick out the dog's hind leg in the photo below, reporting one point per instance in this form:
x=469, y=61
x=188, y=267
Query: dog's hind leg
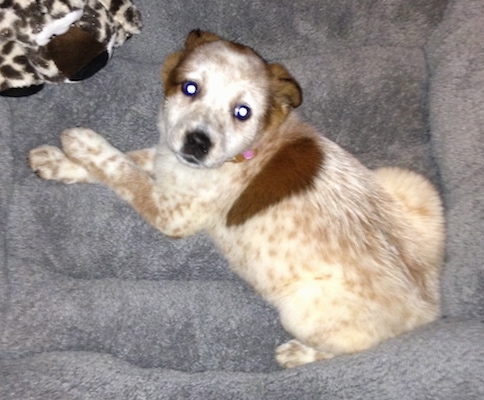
x=293, y=353
x=326, y=323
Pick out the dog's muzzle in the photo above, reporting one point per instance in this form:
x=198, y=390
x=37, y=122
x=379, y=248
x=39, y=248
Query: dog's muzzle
x=196, y=146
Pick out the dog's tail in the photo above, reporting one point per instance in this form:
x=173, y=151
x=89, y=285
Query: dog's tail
x=422, y=208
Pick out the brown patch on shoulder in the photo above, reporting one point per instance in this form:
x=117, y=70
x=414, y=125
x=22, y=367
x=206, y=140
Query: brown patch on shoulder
x=291, y=170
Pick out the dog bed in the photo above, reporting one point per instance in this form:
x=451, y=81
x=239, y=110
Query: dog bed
x=96, y=304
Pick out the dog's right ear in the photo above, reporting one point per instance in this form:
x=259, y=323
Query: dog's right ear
x=168, y=67
x=197, y=37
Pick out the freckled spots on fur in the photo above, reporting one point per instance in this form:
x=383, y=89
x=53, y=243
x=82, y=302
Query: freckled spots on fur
x=292, y=234
x=292, y=170
x=180, y=209
x=125, y=194
x=271, y=238
x=107, y=163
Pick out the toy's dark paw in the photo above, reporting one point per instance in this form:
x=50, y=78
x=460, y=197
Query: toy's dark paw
x=22, y=91
x=94, y=66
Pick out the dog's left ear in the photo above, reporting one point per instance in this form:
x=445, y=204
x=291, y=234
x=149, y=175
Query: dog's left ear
x=286, y=89
x=197, y=37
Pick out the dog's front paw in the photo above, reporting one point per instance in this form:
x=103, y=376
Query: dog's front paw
x=84, y=145
x=49, y=162
x=293, y=353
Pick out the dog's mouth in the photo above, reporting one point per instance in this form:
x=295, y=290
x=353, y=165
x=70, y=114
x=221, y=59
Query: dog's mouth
x=188, y=159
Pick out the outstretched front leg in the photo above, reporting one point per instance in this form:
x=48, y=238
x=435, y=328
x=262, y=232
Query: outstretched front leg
x=51, y=163
x=144, y=159
x=88, y=157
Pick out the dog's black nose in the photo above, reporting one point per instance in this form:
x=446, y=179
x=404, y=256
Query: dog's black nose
x=197, y=144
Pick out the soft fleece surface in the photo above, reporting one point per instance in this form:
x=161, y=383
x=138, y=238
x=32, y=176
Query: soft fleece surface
x=95, y=304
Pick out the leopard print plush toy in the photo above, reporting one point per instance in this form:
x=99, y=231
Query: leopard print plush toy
x=59, y=40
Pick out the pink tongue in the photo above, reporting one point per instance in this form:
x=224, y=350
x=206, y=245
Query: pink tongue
x=248, y=154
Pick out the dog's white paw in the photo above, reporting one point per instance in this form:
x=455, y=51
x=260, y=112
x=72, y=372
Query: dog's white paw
x=293, y=353
x=95, y=154
x=49, y=162
x=84, y=145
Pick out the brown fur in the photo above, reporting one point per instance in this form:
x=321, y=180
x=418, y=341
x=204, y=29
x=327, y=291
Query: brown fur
x=290, y=171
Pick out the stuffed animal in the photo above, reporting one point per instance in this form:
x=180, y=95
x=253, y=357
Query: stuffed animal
x=59, y=40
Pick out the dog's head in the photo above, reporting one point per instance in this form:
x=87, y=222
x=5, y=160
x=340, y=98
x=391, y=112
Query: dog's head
x=219, y=98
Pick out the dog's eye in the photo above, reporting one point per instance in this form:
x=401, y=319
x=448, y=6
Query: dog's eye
x=242, y=112
x=190, y=88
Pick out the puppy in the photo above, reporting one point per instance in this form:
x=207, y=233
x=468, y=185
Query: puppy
x=348, y=256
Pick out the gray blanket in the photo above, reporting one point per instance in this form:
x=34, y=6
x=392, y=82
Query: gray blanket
x=96, y=304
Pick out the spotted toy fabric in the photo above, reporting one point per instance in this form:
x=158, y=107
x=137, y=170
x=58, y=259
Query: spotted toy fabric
x=27, y=26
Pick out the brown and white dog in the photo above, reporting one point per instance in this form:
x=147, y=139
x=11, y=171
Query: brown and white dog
x=348, y=256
